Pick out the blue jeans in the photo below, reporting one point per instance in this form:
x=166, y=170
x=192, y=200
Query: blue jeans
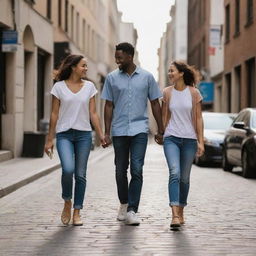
x=179, y=153
x=131, y=148
x=74, y=148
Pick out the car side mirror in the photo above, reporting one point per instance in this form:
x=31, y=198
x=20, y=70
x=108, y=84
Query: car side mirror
x=239, y=125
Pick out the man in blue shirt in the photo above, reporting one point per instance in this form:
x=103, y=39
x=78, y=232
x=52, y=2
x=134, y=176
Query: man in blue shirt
x=126, y=91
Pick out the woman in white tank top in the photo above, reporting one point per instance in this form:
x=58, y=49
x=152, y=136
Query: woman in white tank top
x=73, y=107
x=183, y=137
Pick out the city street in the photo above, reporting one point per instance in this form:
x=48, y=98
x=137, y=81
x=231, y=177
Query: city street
x=220, y=217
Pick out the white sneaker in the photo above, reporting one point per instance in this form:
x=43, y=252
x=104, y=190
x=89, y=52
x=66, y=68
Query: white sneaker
x=122, y=212
x=132, y=219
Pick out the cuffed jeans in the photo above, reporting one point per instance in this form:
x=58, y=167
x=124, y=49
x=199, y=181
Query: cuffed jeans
x=74, y=148
x=179, y=153
x=135, y=147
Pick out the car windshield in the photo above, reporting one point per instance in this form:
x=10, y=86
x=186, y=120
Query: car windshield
x=217, y=122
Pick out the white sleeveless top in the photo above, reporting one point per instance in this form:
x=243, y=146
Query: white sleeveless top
x=74, y=107
x=180, y=124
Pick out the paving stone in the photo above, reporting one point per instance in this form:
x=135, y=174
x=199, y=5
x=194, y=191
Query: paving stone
x=220, y=216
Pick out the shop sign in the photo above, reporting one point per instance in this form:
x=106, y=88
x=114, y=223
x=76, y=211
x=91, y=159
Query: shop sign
x=9, y=41
x=207, y=91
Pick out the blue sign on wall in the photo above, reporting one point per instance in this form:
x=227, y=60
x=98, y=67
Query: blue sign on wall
x=207, y=91
x=9, y=41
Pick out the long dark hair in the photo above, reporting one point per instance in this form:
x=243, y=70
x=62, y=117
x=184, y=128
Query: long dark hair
x=191, y=75
x=66, y=65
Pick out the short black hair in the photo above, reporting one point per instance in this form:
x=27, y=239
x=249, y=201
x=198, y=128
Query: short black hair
x=125, y=47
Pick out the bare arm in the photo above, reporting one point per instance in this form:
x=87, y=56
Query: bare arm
x=200, y=130
x=157, y=113
x=95, y=119
x=164, y=114
x=108, y=113
x=53, y=122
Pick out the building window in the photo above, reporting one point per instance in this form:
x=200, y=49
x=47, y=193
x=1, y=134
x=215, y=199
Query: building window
x=89, y=41
x=77, y=29
x=228, y=86
x=238, y=86
x=60, y=13
x=66, y=15
x=227, y=23
x=203, y=56
x=84, y=35
x=251, y=86
x=237, y=18
x=72, y=22
x=249, y=12
x=2, y=84
x=2, y=88
x=49, y=9
x=93, y=44
x=202, y=7
x=41, y=64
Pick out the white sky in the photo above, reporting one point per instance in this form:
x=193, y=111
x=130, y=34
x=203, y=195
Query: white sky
x=149, y=18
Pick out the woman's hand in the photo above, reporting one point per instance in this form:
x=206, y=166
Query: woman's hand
x=48, y=148
x=105, y=141
x=159, y=139
x=200, y=149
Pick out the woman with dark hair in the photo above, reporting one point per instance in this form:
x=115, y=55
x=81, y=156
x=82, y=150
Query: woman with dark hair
x=73, y=107
x=183, y=136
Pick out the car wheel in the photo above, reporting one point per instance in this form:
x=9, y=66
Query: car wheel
x=247, y=170
x=227, y=167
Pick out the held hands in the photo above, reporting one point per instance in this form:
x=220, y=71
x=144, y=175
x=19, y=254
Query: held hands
x=105, y=141
x=159, y=138
x=200, y=149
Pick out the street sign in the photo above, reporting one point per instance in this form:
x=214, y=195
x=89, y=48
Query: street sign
x=9, y=41
x=215, y=36
x=207, y=91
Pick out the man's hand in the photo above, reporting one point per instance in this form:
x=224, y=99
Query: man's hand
x=107, y=141
x=159, y=139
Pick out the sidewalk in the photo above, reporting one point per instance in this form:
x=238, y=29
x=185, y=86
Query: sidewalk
x=18, y=172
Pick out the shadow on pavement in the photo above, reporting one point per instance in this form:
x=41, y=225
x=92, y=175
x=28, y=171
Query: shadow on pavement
x=57, y=244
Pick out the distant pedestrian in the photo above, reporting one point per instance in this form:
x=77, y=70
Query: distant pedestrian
x=183, y=136
x=126, y=91
x=73, y=106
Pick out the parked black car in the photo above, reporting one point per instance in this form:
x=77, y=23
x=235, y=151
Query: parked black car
x=215, y=126
x=239, y=147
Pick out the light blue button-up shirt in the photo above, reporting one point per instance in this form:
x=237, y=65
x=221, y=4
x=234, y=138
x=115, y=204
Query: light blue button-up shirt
x=130, y=95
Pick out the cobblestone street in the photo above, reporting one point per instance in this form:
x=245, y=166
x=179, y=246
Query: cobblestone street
x=220, y=217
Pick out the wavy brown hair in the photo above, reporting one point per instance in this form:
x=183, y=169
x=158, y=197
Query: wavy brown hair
x=65, y=69
x=191, y=75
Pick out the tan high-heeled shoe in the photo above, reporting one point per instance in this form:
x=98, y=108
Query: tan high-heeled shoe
x=77, y=218
x=182, y=222
x=66, y=212
x=181, y=215
x=175, y=222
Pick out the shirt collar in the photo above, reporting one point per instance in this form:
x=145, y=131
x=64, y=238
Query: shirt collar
x=137, y=70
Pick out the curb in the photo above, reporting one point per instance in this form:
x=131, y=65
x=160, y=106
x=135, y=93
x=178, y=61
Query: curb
x=7, y=190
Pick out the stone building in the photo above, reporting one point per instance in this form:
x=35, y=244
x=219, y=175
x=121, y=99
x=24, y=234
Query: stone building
x=25, y=72
x=173, y=44
x=239, y=80
x=46, y=32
